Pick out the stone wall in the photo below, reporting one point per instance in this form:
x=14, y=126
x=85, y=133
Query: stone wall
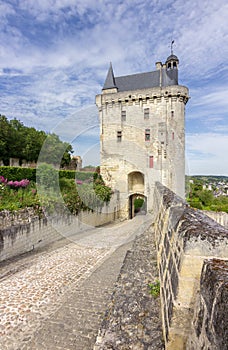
x=185, y=238
x=210, y=322
x=220, y=217
x=23, y=231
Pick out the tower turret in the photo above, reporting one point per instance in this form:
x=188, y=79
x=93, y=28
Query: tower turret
x=172, y=62
x=171, y=65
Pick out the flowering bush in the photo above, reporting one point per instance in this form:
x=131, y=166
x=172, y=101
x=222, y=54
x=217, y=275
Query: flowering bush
x=17, y=184
x=14, y=184
x=3, y=180
x=79, y=182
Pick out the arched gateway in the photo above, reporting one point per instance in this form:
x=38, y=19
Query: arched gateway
x=137, y=199
x=137, y=205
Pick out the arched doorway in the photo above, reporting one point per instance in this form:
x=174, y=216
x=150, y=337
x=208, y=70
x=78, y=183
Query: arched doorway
x=137, y=205
x=137, y=200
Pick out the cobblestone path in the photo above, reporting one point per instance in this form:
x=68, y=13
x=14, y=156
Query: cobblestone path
x=55, y=299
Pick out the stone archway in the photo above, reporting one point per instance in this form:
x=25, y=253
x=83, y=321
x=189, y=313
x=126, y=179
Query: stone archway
x=136, y=182
x=137, y=209
x=136, y=193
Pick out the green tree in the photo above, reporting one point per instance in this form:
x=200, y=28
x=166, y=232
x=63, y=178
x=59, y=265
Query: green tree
x=25, y=143
x=206, y=197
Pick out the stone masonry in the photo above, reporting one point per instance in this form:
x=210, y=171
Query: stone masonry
x=185, y=239
x=55, y=298
x=142, y=134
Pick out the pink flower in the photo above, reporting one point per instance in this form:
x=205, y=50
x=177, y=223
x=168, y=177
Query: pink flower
x=79, y=182
x=17, y=184
x=3, y=180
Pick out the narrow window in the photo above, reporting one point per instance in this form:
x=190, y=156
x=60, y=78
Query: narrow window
x=172, y=135
x=147, y=135
x=123, y=116
x=119, y=136
x=146, y=113
x=151, y=161
x=172, y=114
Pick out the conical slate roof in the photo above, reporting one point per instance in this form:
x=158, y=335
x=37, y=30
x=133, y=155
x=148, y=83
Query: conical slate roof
x=110, y=80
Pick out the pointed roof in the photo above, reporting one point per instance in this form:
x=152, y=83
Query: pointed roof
x=110, y=79
x=142, y=80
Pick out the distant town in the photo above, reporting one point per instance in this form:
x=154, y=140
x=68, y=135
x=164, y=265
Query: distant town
x=207, y=192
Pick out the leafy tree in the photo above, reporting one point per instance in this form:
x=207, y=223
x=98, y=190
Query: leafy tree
x=206, y=197
x=25, y=143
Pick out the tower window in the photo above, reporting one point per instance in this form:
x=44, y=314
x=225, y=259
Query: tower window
x=172, y=114
x=119, y=136
x=173, y=135
x=146, y=113
x=174, y=64
x=147, y=135
x=123, y=116
x=151, y=161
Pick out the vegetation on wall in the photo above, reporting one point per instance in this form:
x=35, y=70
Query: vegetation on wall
x=50, y=191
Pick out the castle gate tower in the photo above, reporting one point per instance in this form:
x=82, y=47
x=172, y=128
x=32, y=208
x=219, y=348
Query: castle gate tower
x=142, y=133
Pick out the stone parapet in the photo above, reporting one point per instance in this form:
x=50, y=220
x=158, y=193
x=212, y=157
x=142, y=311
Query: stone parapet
x=24, y=230
x=210, y=322
x=185, y=238
x=221, y=217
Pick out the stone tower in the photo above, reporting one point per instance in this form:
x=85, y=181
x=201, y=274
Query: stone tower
x=142, y=134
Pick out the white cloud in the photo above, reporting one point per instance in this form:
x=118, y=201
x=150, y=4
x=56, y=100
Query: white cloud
x=57, y=53
x=207, y=153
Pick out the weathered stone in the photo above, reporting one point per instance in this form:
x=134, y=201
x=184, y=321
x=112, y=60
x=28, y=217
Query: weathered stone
x=210, y=324
x=133, y=318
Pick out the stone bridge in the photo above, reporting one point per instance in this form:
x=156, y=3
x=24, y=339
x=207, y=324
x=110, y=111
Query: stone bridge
x=88, y=289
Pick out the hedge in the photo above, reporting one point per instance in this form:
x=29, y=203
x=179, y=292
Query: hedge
x=19, y=173
x=13, y=173
x=72, y=174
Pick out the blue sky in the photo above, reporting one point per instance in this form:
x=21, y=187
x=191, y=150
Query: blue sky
x=54, y=57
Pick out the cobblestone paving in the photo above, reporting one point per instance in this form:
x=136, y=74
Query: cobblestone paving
x=55, y=299
x=133, y=318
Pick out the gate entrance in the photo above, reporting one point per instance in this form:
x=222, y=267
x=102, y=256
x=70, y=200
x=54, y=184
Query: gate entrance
x=137, y=205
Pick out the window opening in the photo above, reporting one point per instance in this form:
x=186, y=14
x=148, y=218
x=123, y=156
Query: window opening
x=146, y=113
x=147, y=135
x=123, y=116
x=119, y=136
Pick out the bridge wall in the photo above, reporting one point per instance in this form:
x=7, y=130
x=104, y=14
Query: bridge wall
x=220, y=217
x=185, y=238
x=23, y=231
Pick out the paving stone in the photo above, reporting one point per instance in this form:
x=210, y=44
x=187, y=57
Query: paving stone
x=56, y=298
